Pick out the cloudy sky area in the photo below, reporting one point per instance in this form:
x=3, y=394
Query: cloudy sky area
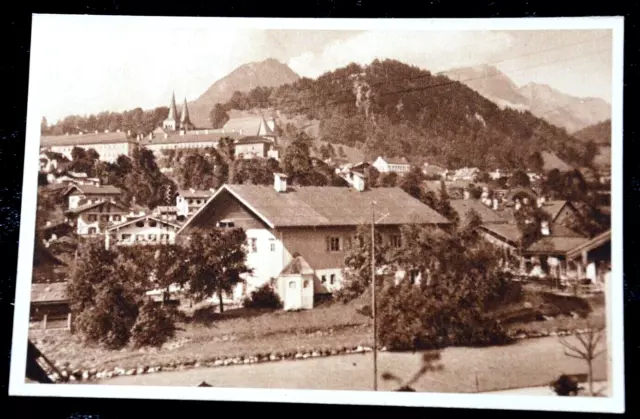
x=82, y=69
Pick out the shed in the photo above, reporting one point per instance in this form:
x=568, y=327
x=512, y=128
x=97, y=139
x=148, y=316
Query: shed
x=295, y=285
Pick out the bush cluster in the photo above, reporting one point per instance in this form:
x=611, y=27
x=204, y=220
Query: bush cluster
x=263, y=297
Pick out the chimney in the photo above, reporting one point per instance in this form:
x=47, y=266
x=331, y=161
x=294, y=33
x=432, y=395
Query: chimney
x=544, y=228
x=358, y=182
x=280, y=182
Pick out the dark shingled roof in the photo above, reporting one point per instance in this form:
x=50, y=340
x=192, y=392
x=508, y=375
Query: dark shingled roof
x=82, y=208
x=556, y=245
x=464, y=206
x=95, y=190
x=49, y=293
x=298, y=266
x=314, y=206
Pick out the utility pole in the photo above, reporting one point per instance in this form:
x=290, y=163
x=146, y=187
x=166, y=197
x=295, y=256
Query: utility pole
x=373, y=298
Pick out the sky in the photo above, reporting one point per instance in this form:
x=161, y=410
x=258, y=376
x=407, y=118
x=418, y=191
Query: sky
x=84, y=68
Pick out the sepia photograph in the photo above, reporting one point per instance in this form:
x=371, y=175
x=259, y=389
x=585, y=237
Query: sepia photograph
x=349, y=211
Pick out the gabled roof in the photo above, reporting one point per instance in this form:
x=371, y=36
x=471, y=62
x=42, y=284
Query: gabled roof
x=464, y=206
x=553, y=208
x=298, y=266
x=316, y=206
x=82, y=208
x=590, y=244
x=195, y=193
x=144, y=217
x=552, y=161
x=511, y=232
x=49, y=293
x=94, y=190
x=555, y=245
x=173, y=111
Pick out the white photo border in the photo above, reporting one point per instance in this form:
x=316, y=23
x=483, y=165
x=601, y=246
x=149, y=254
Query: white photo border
x=615, y=300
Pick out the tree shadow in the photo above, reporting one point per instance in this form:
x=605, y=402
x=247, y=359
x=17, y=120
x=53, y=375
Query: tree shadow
x=207, y=316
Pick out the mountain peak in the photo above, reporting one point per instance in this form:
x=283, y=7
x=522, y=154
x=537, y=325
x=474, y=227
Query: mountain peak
x=266, y=73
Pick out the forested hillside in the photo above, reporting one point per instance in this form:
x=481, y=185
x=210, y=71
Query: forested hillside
x=395, y=109
x=598, y=133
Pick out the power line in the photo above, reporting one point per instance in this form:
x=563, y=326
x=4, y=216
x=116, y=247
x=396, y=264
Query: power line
x=442, y=73
x=423, y=88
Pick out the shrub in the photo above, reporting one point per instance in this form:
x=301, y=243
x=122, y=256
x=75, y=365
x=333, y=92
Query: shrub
x=426, y=317
x=565, y=386
x=263, y=297
x=153, y=327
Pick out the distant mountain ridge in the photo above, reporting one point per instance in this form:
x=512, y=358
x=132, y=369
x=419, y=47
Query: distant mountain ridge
x=558, y=108
x=267, y=73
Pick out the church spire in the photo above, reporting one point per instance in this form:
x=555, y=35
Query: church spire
x=185, y=122
x=173, y=111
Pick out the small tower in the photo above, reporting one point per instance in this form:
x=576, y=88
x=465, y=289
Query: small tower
x=171, y=123
x=185, y=122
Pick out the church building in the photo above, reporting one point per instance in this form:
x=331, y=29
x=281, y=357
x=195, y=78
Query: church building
x=175, y=122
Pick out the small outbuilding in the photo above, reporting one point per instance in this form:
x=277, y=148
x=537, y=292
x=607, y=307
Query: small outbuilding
x=295, y=285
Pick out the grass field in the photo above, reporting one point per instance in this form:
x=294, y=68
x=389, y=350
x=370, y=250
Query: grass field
x=206, y=334
x=465, y=370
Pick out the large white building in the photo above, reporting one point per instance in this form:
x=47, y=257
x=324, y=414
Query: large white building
x=398, y=165
x=109, y=145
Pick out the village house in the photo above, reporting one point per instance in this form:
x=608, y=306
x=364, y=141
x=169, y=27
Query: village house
x=255, y=147
x=188, y=201
x=146, y=229
x=94, y=218
x=50, y=306
x=466, y=173
x=70, y=177
x=398, y=165
x=109, y=145
x=317, y=223
x=167, y=213
x=78, y=195
x=465, y=207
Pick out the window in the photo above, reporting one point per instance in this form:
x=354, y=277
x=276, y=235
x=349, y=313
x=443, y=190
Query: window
x=116, y=218
x=152, y=237
x=126, y=236
x=140, y=224
x=152, y=223
x=272, y=245
x=92, y=230
x=307, y=283
x=164, y=237
x=324, y=279
x=333, y=244
x=396, y=240
x=348, y=243
x=332, y=279
x=254, y=245
x=104, y=218
x=140, y=237
x=292, y=285
x=92, y=217
x=229, y=224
